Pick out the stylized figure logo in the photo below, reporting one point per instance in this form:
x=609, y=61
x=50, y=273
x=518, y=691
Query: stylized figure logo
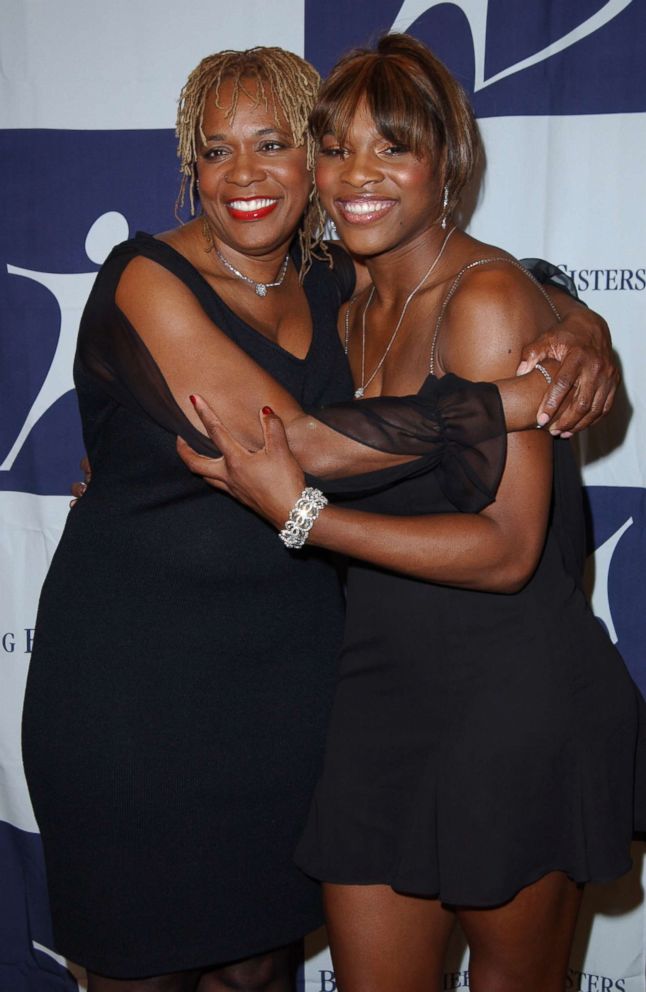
x=599, y=566
x=476, y=12
x=71, y=291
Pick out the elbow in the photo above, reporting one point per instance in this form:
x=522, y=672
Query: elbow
x=515, y=550
x=314, y=462
x=511, y=573
x=304, y=444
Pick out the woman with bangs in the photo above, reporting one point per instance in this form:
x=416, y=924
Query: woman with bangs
x=480, y=761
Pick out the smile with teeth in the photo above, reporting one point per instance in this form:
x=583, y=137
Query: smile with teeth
x=363, y=211
x=251, y=208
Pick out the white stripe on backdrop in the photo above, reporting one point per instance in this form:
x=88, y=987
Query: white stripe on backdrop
x=563, y=180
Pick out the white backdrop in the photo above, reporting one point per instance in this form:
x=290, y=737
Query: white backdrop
x=87, y=100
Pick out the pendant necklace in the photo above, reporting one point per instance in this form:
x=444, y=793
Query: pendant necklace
x=360, y=390
x=260, y=288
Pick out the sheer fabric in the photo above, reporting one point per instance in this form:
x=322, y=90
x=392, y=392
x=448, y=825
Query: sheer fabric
x=450, y=426
x=454, y=427
x=112, y=354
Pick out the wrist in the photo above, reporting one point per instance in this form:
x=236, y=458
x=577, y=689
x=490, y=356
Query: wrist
x=301, y=517
x=521, y=396
x=284, y=503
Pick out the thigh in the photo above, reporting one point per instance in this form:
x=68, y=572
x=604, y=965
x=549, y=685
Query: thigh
x=523, y=946
x=384, y=941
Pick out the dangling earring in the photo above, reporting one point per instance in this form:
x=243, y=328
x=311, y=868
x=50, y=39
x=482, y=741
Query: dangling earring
x=445, y=205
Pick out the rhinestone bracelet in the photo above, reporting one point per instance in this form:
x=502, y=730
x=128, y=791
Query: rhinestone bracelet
x=543, y=371
x=301, y=517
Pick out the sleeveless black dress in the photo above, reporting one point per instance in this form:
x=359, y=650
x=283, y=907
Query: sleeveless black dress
x=477, y=740
x=183, y=668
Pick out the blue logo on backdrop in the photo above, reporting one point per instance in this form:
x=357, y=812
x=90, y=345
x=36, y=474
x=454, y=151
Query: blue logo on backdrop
x=25, y=959
x=574, y=57
x=68, y=197
x=617, y=535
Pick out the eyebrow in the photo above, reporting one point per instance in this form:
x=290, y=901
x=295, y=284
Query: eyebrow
x=257, y=134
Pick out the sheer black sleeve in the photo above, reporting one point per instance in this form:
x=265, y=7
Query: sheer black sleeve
x=550, y=275
x=110, y=352
x=453, y=427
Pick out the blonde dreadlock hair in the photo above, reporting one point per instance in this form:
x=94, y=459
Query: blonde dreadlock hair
x=282, y=80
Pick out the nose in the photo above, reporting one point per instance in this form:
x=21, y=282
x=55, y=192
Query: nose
x=244, y=168
x=362, y=168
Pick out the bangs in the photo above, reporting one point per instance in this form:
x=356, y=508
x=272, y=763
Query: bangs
x=252, y=81
x=414, y=101
x=402, y=108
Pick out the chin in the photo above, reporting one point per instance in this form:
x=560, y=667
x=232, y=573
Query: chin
x=364, y=243
x=255, y=238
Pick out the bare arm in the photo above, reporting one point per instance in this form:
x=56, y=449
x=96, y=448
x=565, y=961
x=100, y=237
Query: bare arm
x=194, y=356
x=487, y=324
x=586, y=381
x=498, y=549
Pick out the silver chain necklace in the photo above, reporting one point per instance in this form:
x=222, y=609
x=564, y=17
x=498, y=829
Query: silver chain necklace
x=360, y=390
x=259, y=287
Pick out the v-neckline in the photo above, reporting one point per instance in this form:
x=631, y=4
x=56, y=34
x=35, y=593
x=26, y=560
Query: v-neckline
x=273, y=345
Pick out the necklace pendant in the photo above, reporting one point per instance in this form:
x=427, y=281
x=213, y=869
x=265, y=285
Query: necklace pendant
x=358, y=393
x=261, y=289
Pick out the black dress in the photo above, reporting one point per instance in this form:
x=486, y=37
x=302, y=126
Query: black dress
x=183, y=669
x=477, y=740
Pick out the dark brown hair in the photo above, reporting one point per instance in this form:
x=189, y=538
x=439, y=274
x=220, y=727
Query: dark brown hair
x=413, y=99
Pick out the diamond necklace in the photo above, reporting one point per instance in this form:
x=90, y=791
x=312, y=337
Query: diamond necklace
x=360, y=390
x=259, y=287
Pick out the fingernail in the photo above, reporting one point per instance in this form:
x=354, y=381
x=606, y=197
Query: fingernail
x=193, y=399
x=555, y=432
x=542, y=419
x=566, y=434
x=522, y=368
x=267, y=410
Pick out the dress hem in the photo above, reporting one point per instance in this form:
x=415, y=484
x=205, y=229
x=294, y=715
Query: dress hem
x=206, y=959
x=450, y=897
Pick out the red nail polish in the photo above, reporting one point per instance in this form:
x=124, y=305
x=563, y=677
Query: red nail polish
x=193, y=400
x=267, y=410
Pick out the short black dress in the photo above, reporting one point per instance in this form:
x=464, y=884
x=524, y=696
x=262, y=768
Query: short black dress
x=183, y=667
x=477, y=740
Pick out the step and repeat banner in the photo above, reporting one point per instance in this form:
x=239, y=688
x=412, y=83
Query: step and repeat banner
x=88, y=96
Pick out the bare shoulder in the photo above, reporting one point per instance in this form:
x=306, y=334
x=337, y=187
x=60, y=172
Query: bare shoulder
x=495, y=310
x=160, y=306
x=146, y=285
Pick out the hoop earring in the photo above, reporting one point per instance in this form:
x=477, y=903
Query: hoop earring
x=445, y=205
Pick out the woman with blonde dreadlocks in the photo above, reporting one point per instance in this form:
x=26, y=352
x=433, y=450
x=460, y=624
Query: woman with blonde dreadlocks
x=179, y=654
x=186, y=659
